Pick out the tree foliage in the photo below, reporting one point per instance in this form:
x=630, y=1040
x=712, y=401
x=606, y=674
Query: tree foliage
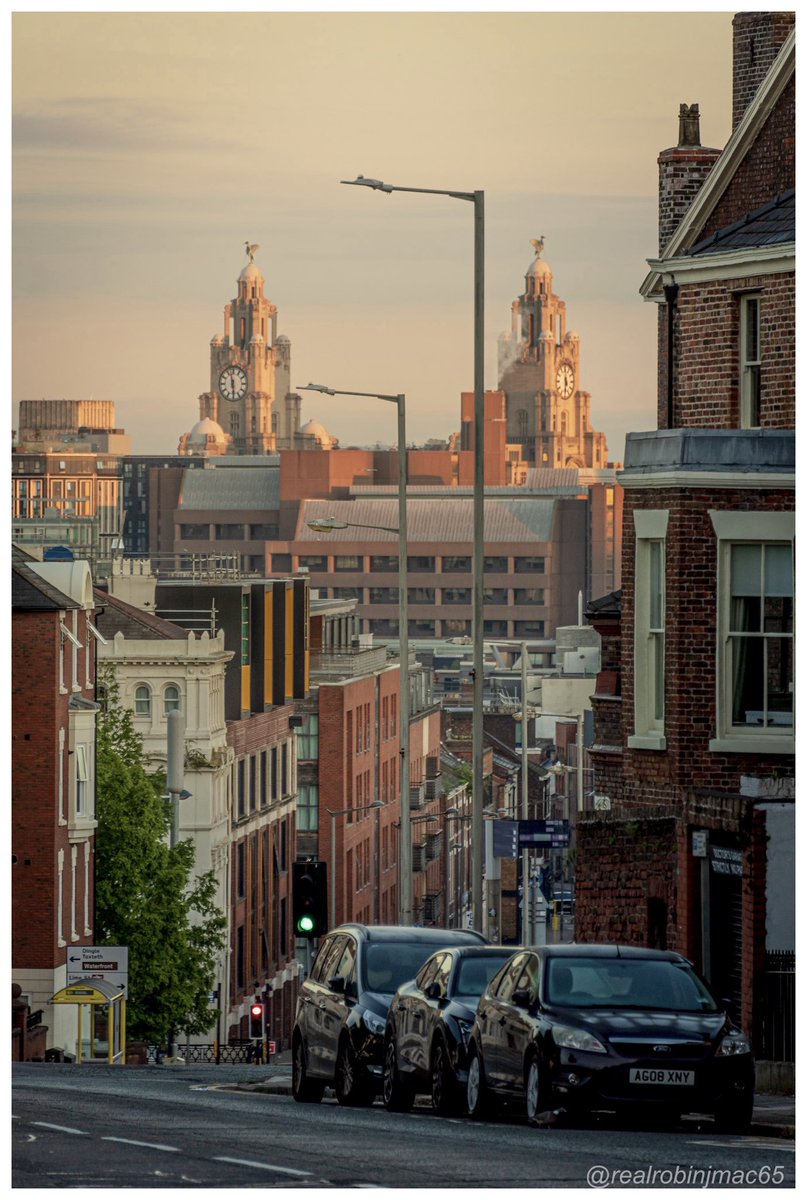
x=146, y=894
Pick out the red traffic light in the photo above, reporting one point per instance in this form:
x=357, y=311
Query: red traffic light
x=256, y=1012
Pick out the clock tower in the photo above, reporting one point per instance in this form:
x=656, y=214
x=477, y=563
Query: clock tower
x=250, y=369
x=548, y=414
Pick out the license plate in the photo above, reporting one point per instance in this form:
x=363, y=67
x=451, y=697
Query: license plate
x=665, y=1076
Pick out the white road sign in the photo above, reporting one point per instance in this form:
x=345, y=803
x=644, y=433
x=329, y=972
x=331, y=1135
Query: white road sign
x=110, y=963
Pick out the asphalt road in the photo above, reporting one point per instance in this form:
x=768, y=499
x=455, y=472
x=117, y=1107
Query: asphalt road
x=100, y=1126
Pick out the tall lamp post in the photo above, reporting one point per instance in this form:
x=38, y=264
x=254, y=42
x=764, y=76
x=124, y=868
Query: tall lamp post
x=405, y=896
x=476, y=198
x=334, y=813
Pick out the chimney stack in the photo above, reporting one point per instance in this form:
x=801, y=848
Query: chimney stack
x=758, y=38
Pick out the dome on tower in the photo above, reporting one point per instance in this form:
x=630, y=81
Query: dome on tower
x=205, y=430
x=319, y=434
x=251, y=271
x=218, y=340
x=282, y=339
x=538, y=267
x=256, y=339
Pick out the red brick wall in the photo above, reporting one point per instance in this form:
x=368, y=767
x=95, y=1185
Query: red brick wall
x=342, y=768
x=758, y=37
x=706, y=368
x=682, y=171
x=691, y=612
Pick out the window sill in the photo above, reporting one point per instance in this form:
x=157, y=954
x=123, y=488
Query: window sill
x=81, y=829
x=647, y=741
x=754, y=744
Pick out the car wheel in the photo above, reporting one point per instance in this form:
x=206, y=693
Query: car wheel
x=734, y=1113
x=536, y=1089
x=396, y=1095
x=352, y=1089
x=445, y=1101
x=304, y=1089
x=477, y=1095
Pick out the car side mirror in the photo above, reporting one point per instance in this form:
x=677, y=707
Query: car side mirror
x=337, y=984
x=521, y=997
x=433, y=991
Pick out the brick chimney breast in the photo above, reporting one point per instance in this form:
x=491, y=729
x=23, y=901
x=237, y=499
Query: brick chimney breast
x=758, y=38
x=682, y=170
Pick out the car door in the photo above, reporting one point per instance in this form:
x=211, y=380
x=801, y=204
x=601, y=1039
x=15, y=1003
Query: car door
x=314, y=998
x=495, y=1017
x=428, y=1011
x=517, y=1026
x=409, y=1014
x=336, y=1005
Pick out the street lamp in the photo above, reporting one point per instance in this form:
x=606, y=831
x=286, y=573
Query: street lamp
x=476, y=198
x=334, y=813
x=405, y=894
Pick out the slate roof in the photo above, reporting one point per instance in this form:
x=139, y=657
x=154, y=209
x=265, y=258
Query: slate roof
x=31, y=593
x=773, y=224
x=134, y=623
x=448, y=519
x=236, y=488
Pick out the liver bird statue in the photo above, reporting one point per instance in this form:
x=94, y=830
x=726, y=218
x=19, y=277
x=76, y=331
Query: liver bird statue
x=537, y=245
x=251, y=248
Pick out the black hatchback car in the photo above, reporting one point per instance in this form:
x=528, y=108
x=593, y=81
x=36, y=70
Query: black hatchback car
x=429, y=1024
x=584, y=1027
x=338, y=1034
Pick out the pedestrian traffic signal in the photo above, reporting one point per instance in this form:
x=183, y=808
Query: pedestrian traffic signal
x=256, y=1022
x=310, y=898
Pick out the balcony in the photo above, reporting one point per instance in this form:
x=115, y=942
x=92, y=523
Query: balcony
x=348, y=663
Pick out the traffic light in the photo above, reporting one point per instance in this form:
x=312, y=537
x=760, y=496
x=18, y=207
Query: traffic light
x=256, y=1023
x=310, y=898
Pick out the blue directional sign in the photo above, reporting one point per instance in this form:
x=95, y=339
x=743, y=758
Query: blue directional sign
x=552, y=834
x=505, y=839
x=510, y=837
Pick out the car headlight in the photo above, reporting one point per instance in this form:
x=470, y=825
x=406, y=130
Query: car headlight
x=373, y=1022
x=576, y=1039
x=465, y=1027
x=733, y=1043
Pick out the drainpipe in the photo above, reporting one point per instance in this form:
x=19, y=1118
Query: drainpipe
x=671, y=296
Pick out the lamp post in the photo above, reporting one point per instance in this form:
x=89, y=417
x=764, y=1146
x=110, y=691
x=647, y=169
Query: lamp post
x=405, y=894
x=476, y=198
x=453, y=814
x=334, y=813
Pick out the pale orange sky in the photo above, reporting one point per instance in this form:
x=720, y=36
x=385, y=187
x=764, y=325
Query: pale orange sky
x=149, y=147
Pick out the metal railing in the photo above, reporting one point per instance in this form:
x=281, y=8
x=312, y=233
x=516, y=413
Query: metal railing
x=777, y=1024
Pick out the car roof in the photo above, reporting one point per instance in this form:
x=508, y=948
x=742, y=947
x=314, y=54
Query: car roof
x=610, y=950
x=414, y=933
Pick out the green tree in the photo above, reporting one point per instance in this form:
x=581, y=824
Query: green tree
x=146, y=894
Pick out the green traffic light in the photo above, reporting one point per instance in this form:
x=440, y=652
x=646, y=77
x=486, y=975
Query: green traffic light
x=305, y=925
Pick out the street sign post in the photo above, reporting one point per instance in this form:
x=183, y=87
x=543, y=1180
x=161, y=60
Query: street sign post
x=110, y=963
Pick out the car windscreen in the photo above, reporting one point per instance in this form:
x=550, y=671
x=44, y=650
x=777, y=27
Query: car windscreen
x=660, y=984
x=475, y=973
x=389, y=964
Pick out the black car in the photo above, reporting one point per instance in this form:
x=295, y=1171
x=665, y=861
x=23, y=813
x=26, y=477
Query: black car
x=338, y=1034
x=582, y=1027
x=428, y=1026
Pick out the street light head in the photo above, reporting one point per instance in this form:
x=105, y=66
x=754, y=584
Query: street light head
x=317, y=387
x=326, y=524
x=376, y=184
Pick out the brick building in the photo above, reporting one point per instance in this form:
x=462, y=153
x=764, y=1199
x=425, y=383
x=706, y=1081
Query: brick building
x=53, y=780
x=694, y=735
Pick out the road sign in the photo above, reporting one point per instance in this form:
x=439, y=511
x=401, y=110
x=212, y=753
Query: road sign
x=99, y=962
x=510, y=837
x=551, y=833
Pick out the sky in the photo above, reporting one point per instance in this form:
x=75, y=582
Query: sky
x=148, y=147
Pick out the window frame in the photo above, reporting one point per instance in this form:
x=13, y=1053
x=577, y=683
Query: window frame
x=750, y=363
x=142, y=687
x=649, y=635
x=733, y=529
x=176, y=707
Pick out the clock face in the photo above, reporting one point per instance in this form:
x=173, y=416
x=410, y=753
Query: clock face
x=233, y=383
x=565, y=380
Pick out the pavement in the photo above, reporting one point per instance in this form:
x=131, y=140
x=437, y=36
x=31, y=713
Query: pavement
x=774, y=1115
